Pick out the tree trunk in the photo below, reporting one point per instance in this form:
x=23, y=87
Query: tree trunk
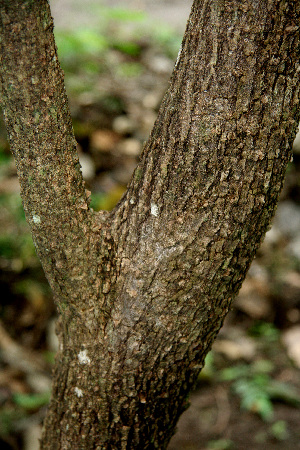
x=143, y=291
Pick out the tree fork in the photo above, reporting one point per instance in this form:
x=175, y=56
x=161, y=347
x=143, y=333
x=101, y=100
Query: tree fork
x=142, y=291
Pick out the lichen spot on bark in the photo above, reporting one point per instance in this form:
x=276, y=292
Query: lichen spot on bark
x=36, y=219
x=78, y=392
x=83, y=357
x=154, y=210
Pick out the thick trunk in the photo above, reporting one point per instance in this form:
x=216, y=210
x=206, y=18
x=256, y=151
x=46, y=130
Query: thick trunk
x=143, y=291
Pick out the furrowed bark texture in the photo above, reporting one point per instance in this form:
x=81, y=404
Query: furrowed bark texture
x=144, y=290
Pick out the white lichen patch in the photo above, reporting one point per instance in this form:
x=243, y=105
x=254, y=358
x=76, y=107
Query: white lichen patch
x=83, y=357
x=78, y=392
x=36, y=219
x=154, y=210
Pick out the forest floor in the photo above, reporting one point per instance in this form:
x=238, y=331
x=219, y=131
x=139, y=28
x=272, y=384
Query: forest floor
x=248, y=395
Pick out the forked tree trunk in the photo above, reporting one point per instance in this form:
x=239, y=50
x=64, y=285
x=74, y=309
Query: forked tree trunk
x=143, y=291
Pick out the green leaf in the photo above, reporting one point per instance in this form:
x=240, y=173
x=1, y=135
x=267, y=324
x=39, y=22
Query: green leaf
x=234, y=373
x=262, y=366
x=266, y=330
x=125, y=15
x=127, y=47
x=129, y=70
x=31, y=401
x=279, y=430
x=84, y=41
x=254, y=396
x=220, y=444
x=283, y=392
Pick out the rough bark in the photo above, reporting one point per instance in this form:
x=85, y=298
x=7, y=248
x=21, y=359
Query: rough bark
x=143, y=291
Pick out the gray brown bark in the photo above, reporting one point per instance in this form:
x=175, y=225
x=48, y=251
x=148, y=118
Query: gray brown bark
x=143, y=290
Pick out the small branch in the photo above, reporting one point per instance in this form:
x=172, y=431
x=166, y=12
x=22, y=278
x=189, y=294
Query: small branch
x=40, y=132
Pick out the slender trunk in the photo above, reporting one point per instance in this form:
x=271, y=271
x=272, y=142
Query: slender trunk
x=143, y=291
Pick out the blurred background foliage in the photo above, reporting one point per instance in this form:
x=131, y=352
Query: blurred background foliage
x=248, y=395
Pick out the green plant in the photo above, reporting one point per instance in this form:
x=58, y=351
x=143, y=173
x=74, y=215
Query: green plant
x=31, y=401
x=279, y=430
x=265, y=330
x=108, y=200
x=122, y=15
x=208, y=372
x=83, y=41
x=128, y=47
x=5, y=158
x=129, y=69
x=86, y=42
x=220, y=444
x=257, y=389
x=167, y=39
x=76, y=47
x=9, y=416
